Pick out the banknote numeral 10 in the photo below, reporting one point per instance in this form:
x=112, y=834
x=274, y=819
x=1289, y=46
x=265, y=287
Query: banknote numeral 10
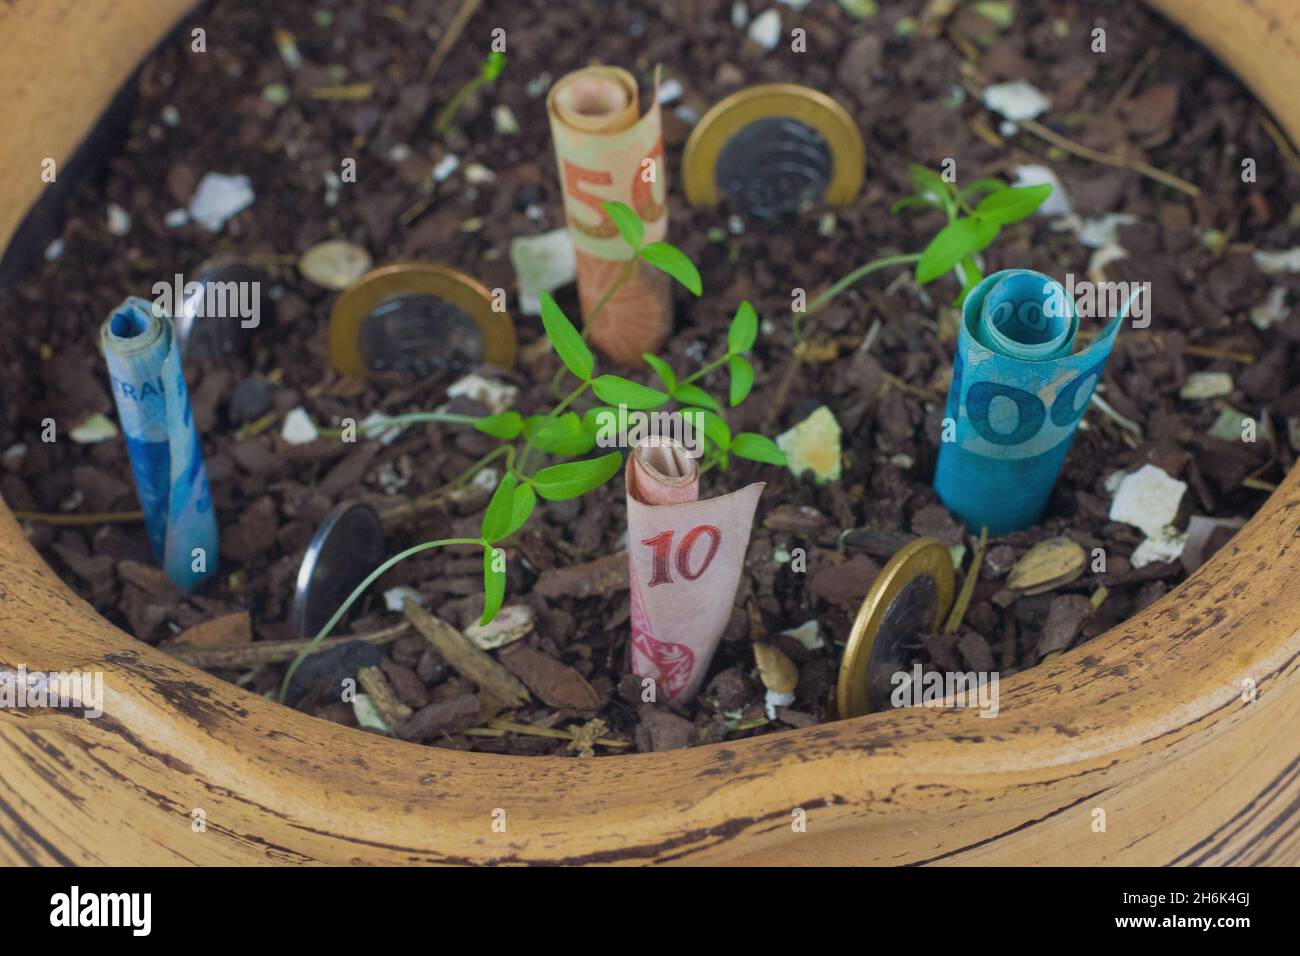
x=662, y=544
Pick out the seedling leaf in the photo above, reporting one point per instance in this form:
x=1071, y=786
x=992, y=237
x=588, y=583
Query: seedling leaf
x=575, y=478
x=694, y=395
x=494, y=587
x=627, y=222
x=742, y=379
x=743, y=331
x=663, y=370
x=496, y=519
x=757, y=447
x=1012, y=204
x=505, y=426
x=670, y=259
x=569, y=346
x=615, y=390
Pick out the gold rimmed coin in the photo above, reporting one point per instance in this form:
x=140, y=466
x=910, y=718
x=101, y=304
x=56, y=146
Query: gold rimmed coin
x=771, y=148
x=909, y=597
x=418, y=317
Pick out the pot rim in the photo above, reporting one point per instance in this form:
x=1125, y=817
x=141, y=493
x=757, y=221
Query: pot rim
x=1145, y=721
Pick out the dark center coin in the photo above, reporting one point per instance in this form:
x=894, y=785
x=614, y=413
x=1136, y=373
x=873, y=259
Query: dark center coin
x=220, y=317
x=347, y=546
x=772, y=166
x=909, y=615
x=419, y=333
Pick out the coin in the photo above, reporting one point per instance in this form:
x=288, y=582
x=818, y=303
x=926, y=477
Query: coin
x=772, y=148
x=347, y=546
x=218, y=316
x=909, y=597
x=334, y=264
x=418, y=317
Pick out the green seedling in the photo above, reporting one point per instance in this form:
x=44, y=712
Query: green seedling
x=563, y=434
x=491, y=69
x=970, y=230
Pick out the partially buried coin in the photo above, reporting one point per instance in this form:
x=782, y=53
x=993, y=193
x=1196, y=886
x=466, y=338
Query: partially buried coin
x=221, y=309
x=347, y=546
x=420, y=318
x=909, y=597
x=771, y=148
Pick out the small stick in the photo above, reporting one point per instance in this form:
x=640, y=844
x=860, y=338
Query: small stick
x=1098, y=597
x=1204, y=351
x=106, y=517
x=468, y=660
x=382, y=695
x=1131, y=81
x=968, y=585
x=916, y=390
x=1279, y=138
x=344, y=91
x=1109, y=159
x=271, y=652
x=1259, y=485
x=1125, y=423
x=511, y=727
x=454, y=30
x=1200, y=351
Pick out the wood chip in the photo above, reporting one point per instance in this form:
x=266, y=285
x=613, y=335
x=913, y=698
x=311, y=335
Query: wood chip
x=269, y=652
x=607, y=575
x=510, y=624
x=557, y=684
x=1047, y=565
x=224, y=631
x=468, y=660
x=777, y=671
x=381, y=694
x=436, y=718
x=1065, y=617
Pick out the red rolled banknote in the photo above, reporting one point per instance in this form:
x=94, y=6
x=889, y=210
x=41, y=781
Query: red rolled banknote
x=606, y=150
x=684, y=561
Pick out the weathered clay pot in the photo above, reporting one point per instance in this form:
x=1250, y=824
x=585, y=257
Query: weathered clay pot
x=1146, y=722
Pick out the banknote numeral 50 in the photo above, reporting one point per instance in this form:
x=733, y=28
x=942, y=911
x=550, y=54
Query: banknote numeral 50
x=662, y=544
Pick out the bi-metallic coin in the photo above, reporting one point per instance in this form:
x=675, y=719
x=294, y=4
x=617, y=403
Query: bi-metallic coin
x=911, y=596
x=419, y=318
x=769, y=149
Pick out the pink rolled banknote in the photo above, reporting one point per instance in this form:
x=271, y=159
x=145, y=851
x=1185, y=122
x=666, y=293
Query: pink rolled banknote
x=684, y=561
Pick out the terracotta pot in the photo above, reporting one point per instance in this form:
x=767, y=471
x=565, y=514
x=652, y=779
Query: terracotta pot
x=1146, y=722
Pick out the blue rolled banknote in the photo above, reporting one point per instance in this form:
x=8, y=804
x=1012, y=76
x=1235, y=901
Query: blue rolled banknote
x=172, y=483
x=1016, y=397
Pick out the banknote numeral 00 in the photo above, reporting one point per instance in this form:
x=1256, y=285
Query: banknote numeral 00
x=662, y=544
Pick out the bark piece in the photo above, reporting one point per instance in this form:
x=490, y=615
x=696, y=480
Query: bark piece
x=1064, y=618
x=373, y=681
x=557, y=684
x=468, y=660
x=607, y=575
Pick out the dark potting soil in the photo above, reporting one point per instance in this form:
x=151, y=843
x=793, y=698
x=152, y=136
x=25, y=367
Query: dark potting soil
x=907, y=76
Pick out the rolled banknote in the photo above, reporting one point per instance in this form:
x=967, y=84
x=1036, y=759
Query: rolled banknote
x=684, y=561
x=166, y=460
x=606, y=151
x=1016, y=397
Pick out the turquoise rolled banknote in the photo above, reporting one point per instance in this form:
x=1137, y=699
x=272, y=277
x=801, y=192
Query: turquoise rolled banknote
x=166, y=460
x=1018, y=392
